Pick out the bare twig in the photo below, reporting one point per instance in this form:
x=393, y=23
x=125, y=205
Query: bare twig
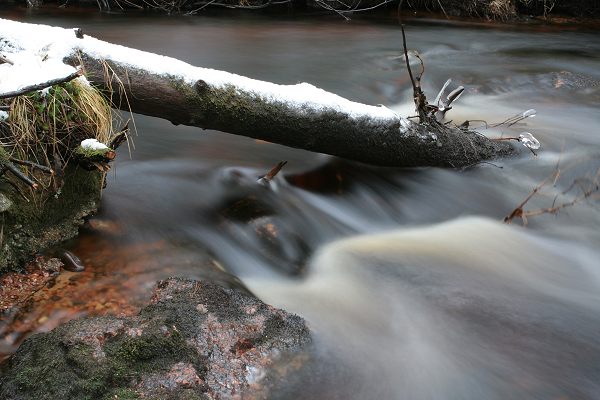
x=516, y=118
x=32, y=165
x=120, y=137
x=19, y=174
x=268, y=177
x=418, y=95
x=330, y=8
x=40, y=86
x=586, y=192
x=356, y=9
x=275, y=170
x=412, y=79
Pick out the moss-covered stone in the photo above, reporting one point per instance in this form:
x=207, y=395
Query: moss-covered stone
x=196, y=340
x=30, y=226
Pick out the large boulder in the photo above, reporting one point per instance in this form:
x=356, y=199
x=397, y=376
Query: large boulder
x=195, y=340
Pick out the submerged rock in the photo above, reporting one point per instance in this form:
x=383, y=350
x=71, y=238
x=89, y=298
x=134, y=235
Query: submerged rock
x=195, y=340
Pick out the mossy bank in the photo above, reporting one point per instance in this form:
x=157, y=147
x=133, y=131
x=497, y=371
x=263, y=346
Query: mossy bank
x=48, y=182
x=483, y=9
x=33, y=224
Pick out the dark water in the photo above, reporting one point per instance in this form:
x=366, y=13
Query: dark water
x=413, y=286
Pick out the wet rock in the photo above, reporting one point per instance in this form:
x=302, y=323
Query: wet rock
x=32, y=226
x=195, y=340
x=48, y=264
x=72, y=262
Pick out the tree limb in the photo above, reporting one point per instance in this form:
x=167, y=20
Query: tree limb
x=40, y=86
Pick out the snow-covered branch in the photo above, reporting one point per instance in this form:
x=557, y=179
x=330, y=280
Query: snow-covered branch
x=301, y=115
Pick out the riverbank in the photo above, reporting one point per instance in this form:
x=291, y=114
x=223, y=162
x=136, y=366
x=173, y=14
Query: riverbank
x=553, y=11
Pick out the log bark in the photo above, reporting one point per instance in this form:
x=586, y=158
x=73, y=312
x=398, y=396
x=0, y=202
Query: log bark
x=300, y=116
x=233, y=110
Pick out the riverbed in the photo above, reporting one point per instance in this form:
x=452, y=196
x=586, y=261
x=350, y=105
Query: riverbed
x=411, y=282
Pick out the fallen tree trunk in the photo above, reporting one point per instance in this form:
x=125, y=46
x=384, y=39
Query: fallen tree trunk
x=300, y=116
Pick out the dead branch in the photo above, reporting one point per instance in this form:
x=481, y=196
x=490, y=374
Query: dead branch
x=9, y=166
x=119, y=137
x=516, y=118
x=31, y=164
x=418, y=95
x=268, y=177
x=586, y=192
x=40, y=86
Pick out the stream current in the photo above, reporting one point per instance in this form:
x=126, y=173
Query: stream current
x=413, y=286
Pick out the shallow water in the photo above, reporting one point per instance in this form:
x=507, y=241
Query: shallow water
x=413, y=286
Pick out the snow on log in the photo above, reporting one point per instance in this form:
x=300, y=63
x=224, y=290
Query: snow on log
x=301, y=115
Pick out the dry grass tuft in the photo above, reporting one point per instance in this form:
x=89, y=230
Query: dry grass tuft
x=46, y=125
x=490, y=9
x=502, y=9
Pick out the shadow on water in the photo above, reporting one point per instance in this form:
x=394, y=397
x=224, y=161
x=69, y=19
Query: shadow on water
x=402, y=303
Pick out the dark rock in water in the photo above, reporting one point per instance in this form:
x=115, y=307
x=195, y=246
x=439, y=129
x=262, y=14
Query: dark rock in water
x=195, y=340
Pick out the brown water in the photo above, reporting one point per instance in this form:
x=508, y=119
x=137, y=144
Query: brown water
x=413, y=286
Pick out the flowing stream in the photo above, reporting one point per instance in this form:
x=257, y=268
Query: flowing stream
x=412, y=284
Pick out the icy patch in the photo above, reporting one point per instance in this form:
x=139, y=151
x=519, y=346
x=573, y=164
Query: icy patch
x=528, y=140
x=93, y=144
x=3, y=115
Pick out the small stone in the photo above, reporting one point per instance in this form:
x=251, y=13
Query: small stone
x=201, y=308
x=52, y=265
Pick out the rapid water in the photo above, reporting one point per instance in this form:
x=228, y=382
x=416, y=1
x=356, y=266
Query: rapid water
x=411, y=283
